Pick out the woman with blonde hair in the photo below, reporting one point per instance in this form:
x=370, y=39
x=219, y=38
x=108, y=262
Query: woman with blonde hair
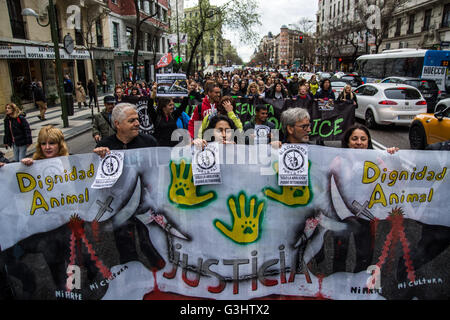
x=50, y=144
x=17, y=131
x=252, y=90
x=347, y=95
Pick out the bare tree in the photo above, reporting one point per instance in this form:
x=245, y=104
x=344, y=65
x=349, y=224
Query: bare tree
x=138, y=25
x=376, y=16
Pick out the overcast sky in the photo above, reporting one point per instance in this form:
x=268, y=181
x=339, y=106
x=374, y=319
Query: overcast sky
x=273, y=15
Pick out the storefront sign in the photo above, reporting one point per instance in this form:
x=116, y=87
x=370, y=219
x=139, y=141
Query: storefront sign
x=49, y=53
x=12, y=52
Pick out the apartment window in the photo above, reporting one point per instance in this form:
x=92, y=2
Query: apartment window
x=330, y=11
x=164, y=11
x=130, y=38
x=149, y=42
x=98, y=31
x=16, y=19
x=427, y=20
x=116, y=35
x=339, y=8
x=446, y=16
x=398, y=27
x=334, y=10
x=412, y=17
x=323, y=14
x=79, y=39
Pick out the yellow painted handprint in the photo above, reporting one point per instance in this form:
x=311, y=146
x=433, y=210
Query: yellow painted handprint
x=182, y=190
x=246, y=219
x=290, y=196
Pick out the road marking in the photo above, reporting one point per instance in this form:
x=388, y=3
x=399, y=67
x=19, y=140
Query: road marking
x=378, y=146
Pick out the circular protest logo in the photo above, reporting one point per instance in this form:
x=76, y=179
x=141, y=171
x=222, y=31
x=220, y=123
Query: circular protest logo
x=293, y=160
x=262, y=132
x=110, y=165
x=206, y=159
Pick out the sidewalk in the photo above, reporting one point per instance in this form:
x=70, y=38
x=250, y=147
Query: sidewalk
x=79, y=123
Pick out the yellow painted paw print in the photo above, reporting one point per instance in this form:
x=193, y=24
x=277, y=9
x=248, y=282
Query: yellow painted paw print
x=289, y=195
x=182, y=190
x=246, y=219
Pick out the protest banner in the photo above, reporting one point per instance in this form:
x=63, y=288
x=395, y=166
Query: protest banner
x=171, y=85
x=369, y=225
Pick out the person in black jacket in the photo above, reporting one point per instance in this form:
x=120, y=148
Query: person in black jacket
x=325, y=92
x=304, y=100
x=165, y=117
x=41, y=101
x=17, y=132
x=126, y=123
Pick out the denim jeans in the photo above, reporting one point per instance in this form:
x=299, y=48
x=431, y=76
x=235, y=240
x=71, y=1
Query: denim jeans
x=19, y=152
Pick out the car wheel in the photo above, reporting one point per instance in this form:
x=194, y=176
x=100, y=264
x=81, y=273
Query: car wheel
x=370, y=119
x=417, y=137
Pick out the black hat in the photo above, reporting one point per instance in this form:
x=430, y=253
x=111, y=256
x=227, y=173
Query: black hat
x=109, y=99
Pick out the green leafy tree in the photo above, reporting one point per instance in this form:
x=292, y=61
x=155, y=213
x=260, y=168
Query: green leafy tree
x=207, y=20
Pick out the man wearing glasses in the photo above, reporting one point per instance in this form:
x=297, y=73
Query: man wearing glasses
x=296, y=125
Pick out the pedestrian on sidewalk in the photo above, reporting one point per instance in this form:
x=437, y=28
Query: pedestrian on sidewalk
x=102, y=125
x=17, y=132
x=41, y=101
x=91, y=91
x=80, y=94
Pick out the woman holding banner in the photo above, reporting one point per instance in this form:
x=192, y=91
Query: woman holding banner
x=358, y=137
x=347, y=95
x=50, y=144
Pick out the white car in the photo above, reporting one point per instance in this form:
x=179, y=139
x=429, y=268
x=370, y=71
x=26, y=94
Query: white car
x=388, y=103
x=305, y=75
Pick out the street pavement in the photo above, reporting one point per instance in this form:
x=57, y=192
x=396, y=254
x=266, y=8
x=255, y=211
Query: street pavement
x=79, y=123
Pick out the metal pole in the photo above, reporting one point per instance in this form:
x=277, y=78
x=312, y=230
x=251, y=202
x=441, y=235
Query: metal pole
x=178, y=32
x=54, y=31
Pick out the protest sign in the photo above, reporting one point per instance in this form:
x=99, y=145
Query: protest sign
x=171, y=85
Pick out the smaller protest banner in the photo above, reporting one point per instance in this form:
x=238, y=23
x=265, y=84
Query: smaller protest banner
x=110, y=170
x=205, y=165
x=165, y=61
x=171, y=85
x=325, y=105
x=293, y=165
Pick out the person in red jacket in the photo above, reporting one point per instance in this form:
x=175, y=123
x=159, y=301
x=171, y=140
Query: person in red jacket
x=208, y=106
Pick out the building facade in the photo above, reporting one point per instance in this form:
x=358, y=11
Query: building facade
x=342, y=36
x=153, y=34
x=282, y=50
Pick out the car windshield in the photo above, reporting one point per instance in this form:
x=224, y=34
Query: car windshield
x=402, y=94
x=423, y=84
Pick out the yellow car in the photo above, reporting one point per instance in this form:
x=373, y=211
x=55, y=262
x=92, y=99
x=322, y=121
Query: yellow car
x=429, y=128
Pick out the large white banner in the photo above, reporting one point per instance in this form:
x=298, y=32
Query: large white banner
x=368, y=225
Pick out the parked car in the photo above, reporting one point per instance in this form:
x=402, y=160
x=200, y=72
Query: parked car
x=429, y=128
x=305, y=75
x=354, y=80
x=388, y=103
x=428, y=88
x=323, y=75
x=338, y=85
x=442, y=104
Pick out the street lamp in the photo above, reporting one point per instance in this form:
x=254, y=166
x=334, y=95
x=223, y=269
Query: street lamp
x=53, y=29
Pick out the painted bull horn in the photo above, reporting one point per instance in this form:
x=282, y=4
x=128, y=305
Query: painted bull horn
x=339, y=205
x=130, y=208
